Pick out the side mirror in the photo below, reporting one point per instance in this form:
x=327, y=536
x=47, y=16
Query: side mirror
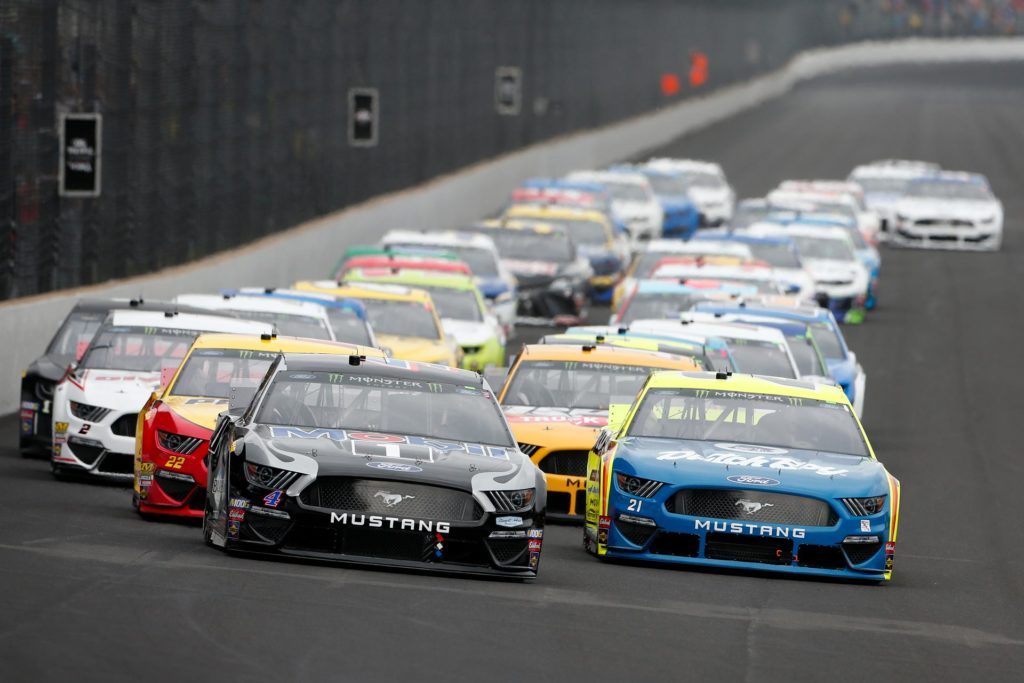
x=604, y=439
x=617, y=413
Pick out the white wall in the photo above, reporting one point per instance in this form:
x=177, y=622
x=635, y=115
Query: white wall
x=311, y=249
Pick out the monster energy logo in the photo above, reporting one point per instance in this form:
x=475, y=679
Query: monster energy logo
x=435, y=388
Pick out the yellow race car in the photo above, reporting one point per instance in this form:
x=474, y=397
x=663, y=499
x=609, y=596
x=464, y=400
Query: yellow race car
x=174, y=427
x=404, y=319
x=556, y=400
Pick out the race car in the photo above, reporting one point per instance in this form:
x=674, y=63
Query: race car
x=292, y=318
x=681, y=217
x=741, y=472
x=594, y=237
x=885, y=182
x=464, y=315
x=403, y=262
x=753, y=349
x=709, y=351
x=649, y=255
x=706, y=185
x=347, y=317
x=828, y=338
x=779, y=252
x=375, y=461
x=496, y=282
x=668, y=298
x=949, y=211
x=556, y=400
x=553, y=276
x=633, y=201
x=38, y=380
x=404, y=319
x=622, y=339
x=176, y=424
x=96, y=405
x=841, y=197
x=840, y=277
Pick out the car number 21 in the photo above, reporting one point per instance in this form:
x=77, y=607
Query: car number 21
x=634, y=505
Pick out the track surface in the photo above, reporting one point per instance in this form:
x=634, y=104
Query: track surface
x=90, y=592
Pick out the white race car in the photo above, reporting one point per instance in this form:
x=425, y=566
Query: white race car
x=707, y=186
x=884, y=184
x=290, y=318
x=834, y=197
x=96, y=406
x=949, y=211
x=633, y=201
x=829, y=256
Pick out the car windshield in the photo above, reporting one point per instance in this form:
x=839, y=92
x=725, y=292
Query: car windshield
x=526, y=245
x=401, y=318
x=210, y=372
x=574, y=384
x=702, y=179
x=827, y=340
x=143, y=349
x=671, y=185
x=883, y=185
x=290, y=324
x=824, y=248
x=74, y=335
x=584, y=231
x=746, y=418
x=657, y=305
x=349, y=327
x=938, y=189
x=761, y=357
x=457, y=304
x=777, y=255
x=625, y=192
x=366, y=402
x=806, y=356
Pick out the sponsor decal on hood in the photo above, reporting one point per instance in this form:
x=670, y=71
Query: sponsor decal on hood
x=391, y=445
x=531, y=267
x=580, y=417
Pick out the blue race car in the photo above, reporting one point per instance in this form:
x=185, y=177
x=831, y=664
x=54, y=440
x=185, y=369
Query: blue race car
x=742, y=472
x=682, y=217
x=842, y=362
x=347, y=316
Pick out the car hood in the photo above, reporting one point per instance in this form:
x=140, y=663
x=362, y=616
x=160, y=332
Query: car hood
x=948, y=208
x=116, y=388
x=468, y=332
x=334, y=452
x=706, y=463
x=558, y=427
x=707, y=195
x=415, y=348
x=199, y=411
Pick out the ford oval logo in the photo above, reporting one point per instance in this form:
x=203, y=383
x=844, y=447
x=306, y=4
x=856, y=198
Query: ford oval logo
x=394, y=467
x=753, y=480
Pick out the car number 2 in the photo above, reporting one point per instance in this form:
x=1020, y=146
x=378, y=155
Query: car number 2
x=634, y=505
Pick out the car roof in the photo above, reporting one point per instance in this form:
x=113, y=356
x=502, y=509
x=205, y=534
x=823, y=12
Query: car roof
x=717, y=329
x=95, y=305
x=382, y=366
x=322, y=298
x=591, y=352
x=788, y=326
x=740, y=237
x=538, y=227
x=753, y=384
x=686, y=165
x=803, y=313
x=213, y=340
x=556, y=212
x=675, y=287
x=410, y=277
x=246, y=302
x=209, y=322
x=816, y=231
x=438, y=238
x=366, y=290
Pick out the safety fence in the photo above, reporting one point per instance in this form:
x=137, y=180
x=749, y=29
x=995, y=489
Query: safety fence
x=139, y=134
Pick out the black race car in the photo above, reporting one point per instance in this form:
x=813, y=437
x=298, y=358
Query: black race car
x=374, y=461
x=35, y=433
x=552, y=277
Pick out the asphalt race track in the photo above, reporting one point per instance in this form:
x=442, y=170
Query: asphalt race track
x=90, y=592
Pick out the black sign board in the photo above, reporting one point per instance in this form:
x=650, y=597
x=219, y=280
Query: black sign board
x=508, y=90
x=363, y=115
x=80, y=144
